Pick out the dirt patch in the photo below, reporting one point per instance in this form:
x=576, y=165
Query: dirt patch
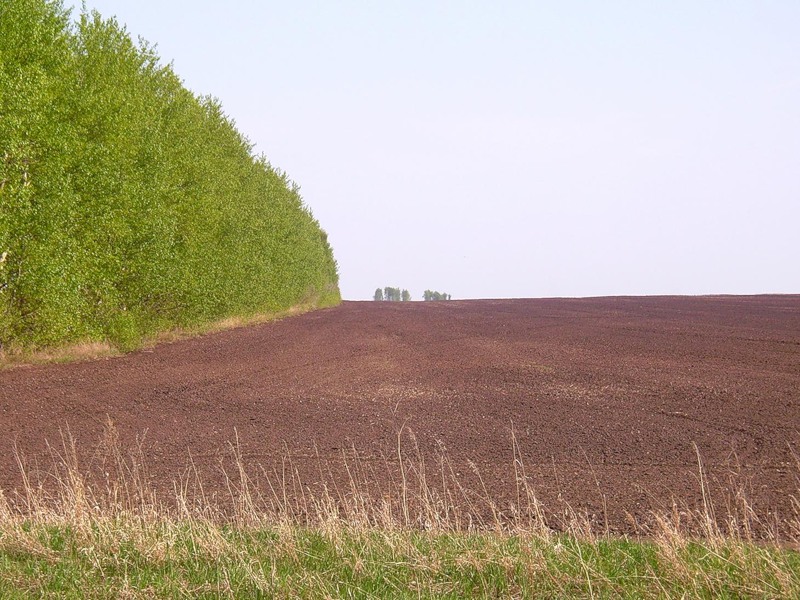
x=610, y=399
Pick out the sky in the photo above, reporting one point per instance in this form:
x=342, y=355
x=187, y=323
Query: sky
x=517, y=149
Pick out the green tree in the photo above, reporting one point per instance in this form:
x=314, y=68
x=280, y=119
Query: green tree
x=430, y=295
x=392, y=294
x=127, y=203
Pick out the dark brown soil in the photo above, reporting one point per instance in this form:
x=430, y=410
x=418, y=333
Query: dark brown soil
x=610, y=399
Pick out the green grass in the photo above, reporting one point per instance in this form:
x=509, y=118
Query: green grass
x=62, y=536
x=128, y=558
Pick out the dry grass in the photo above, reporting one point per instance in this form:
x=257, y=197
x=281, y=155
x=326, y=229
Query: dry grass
x=95, y=350
x=228, y=323
x=73, y=353
x=68, y=532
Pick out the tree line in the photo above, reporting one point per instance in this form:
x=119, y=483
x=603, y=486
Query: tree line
x=391, y=294
x=128, y=204
x=430, y=295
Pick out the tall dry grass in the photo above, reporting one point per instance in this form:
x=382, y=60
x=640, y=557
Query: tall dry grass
x=429, y=524
x=420, y=493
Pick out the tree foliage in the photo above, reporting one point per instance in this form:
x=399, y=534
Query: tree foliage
x=430, y=295
x=127, y=203
x=392, y=294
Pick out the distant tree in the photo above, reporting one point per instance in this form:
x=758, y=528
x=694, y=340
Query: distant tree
x=430, y=295
x=392, y=294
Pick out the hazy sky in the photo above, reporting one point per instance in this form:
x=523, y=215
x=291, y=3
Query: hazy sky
x=517, y=149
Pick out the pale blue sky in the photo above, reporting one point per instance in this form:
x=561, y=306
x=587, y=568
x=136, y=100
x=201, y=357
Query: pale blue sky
x=518, y=149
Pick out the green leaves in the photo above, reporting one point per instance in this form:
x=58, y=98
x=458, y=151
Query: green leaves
x=127, y=204
x=391, y=294
x=430, y=295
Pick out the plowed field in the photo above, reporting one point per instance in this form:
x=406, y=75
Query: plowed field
x=611, y=400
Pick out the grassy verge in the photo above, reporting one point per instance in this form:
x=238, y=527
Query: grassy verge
x=63, y=536
x=126, y=557
x=93, y=350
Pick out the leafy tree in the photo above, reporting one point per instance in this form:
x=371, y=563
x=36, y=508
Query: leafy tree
x=128, y=204
x=430, y=295
x=392, y=294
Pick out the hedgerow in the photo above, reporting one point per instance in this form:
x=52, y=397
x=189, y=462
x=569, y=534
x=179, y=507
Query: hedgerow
x=128, y=204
